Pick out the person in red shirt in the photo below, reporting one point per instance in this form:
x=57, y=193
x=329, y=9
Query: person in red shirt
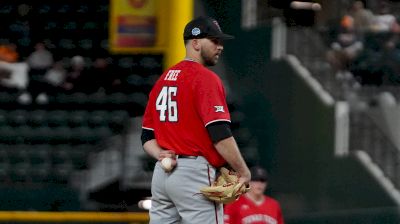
x=254, y=207
x=187, y=119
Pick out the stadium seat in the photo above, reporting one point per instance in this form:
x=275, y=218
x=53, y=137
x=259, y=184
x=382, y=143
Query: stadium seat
x=17, y=154
x=3, y=154
x=96, y=100
x=4, y=172
x=79, y=155
x=57, y=118
x=39, y=155
x=125, y=62
x=78, y=118
x=3, y=117
x=40, y=173
x=60, y=135
x=17, y=118
x=135, y=81
x=44, y=8
x=61, y=172
x=8, y=135
x=83, y=135
x=68, y=100
x=26, y=134
x=100, y=134
x=117, y=100
x=37, y=118
x=118, y=120
x=60, y=154
x=36, y=135
x=19, y=172
x=138, y=103
x=151, y=80
x=86, y=44
x=4, y=165
x=81, y=99
x=97, y=119
x=8, y=100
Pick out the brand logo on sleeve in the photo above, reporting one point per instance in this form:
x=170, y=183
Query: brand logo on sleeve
x=219, y=109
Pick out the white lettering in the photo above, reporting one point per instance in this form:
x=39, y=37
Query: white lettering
x=172, y=75
x=259, y=218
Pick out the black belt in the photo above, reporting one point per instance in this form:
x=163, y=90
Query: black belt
x=186, y=157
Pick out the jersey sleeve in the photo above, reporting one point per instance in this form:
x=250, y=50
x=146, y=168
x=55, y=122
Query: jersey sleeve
x=210, y=98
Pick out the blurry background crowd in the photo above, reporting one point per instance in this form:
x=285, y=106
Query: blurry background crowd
x=65, y=99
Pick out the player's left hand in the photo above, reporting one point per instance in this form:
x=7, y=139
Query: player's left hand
x=226, y=188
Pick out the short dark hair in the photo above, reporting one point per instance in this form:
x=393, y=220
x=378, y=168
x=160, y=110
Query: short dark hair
x=258, y=174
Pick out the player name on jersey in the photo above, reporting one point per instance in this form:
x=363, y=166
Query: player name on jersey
x=259, y=218
x=172, y=75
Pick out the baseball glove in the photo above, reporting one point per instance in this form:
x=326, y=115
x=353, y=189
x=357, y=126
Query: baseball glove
x=226, y=188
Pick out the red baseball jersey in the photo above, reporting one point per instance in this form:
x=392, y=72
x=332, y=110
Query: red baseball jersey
x=185, y=99
x=246, y=211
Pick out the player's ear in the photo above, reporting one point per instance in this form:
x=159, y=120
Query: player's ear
x=196, y=44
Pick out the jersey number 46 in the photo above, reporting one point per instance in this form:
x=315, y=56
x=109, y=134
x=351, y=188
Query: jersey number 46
x=165, y=102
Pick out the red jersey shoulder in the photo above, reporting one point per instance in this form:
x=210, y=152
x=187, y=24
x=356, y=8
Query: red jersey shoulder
x=169, y=76
x=190, y=68
x=271, y=200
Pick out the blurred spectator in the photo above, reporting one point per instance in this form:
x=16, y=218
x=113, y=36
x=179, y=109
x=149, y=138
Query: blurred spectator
x=363, y=17
x=73, y=81
x=390, y=63
x=56, y=75
x=40, y=58
x=13, y=74
x=39, y=61
x=384, y=21
x=51, y=84
x=9, y=53
x=254, y=206
x=379, y=62
x=346, y=47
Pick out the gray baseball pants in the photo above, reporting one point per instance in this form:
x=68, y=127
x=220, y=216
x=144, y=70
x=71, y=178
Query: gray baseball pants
x=176, y=197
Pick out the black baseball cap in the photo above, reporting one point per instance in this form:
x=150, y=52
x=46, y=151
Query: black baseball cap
x=203, y=27
x=258, y=174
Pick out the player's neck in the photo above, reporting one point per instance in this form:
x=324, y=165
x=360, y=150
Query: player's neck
x=189, y=59
x=194, y=58
x=257, y=199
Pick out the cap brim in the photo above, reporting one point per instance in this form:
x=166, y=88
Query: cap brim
x=224, y=36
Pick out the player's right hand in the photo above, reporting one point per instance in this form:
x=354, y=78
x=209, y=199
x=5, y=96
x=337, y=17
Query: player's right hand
x=167, y=154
